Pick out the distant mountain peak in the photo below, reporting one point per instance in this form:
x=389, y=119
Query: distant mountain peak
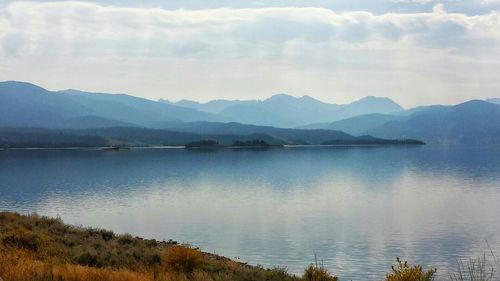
x=280, y=96
x=286, y=98
x=165, y=101
x=388, y=103
x=369, y=98
x=476, y=104
x=187, y=103
x=375, y=98
x=21, y=87
x=309, y=98
x=71, y=91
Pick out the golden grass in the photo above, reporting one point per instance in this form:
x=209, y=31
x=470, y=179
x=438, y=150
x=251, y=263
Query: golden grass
x=21, y=265
x=182, y=258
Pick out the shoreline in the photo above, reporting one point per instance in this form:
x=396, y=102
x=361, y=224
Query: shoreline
x=34, y=247
x=112, y=148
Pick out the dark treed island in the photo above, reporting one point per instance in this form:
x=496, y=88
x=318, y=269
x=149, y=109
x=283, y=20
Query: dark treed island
x=251, y=143
x=213, y=144
x=203, y=144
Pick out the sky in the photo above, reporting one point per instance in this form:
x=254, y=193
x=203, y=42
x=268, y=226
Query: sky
x=416, y=52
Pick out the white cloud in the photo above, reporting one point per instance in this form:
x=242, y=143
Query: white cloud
x=70, y=27
x=418, y=1
x=489, y=2
x=229, y=50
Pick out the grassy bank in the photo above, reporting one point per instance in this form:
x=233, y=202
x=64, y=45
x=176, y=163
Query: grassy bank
x=45, y=249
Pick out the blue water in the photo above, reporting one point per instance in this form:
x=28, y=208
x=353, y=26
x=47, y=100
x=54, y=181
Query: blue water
x=356, y=207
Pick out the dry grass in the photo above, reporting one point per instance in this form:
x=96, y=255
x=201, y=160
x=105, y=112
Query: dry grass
x=182, y=258
x=21, y=265
x=477, y=269
x=45, y=249
x=51, y=238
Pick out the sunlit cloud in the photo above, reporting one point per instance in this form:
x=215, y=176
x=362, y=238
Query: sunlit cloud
x=229, y=50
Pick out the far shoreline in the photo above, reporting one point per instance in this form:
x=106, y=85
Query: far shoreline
x=176, y=147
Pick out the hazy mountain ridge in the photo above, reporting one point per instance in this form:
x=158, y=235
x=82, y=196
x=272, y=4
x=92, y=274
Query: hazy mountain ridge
x=98, y=114
x=357, y=125
x=27, y=105
x=290, y=136
x=213, y=106
x=136, y=110
x=283, y=110
x=472, y=122
x=24, y=104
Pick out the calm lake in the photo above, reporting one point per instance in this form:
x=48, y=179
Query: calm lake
x=356, y=207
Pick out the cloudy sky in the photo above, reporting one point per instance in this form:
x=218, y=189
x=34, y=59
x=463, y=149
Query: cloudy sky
x=413, y=51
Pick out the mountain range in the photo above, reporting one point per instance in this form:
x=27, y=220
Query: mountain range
x=471, y=122
x=279, y=119
x=27, y=105
x=286, y=111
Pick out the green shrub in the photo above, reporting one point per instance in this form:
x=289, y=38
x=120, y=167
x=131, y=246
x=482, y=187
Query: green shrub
x=126, y=239
x=89, y=259
x=278, y=274
x=22, y=239
x=107, y=235
x=403, y=272
x=317, y=272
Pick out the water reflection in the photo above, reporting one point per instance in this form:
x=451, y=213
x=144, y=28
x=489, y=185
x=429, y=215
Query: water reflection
x=357, y=207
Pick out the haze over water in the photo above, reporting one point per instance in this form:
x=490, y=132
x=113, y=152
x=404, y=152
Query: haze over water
x=356, y=207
